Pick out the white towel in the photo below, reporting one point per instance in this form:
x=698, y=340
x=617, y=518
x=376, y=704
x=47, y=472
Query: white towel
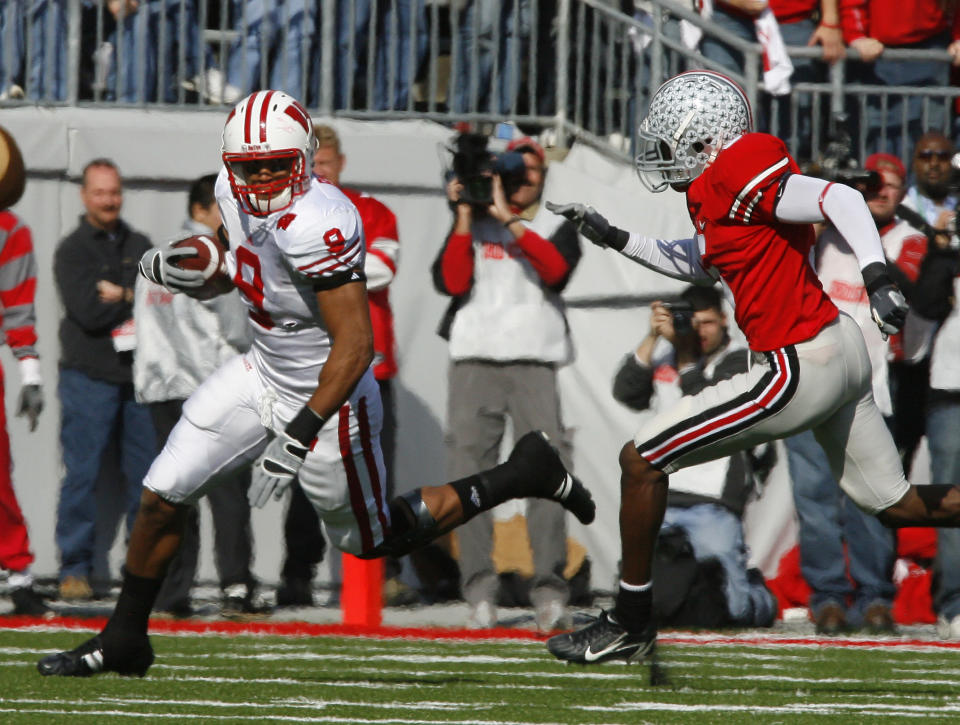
x=777, y=67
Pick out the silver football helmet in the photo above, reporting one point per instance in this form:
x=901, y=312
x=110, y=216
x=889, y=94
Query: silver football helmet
x=691, y=117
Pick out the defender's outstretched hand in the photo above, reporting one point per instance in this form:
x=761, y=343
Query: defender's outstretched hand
x=592, y=225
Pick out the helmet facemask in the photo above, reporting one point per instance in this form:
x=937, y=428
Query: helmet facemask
x=261, y=198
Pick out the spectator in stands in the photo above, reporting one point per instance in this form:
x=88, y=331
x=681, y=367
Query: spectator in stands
x=828, y=518
x=399, y=29
x=798, y=24
x=181, y=38
x=95, y=268
x=304, y=541
x=18, y=281
x=705, y=501
x=180, y=342
x=871, y=26
x=489, y=48
x=133, y=69
x=11, y=49
x=505, y=263
x=273, y=47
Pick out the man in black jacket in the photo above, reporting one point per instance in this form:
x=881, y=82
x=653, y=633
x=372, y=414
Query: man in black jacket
x=95, y=269
x=687, y=349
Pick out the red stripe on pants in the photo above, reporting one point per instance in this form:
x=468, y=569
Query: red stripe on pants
x=366, y=443
x=357, y=500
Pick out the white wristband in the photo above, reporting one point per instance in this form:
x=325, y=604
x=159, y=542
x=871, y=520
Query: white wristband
x=30, y=371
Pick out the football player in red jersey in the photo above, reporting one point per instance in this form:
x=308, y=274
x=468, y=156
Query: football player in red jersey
x=302, y=402
x=753, y=212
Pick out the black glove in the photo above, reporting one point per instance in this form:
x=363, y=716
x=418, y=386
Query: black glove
x=592, y=225
x=887, y=304
x=30, y=404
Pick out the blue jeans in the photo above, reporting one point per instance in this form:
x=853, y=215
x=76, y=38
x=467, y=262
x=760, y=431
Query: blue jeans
x=133, y=72
x=718, y=51
x=508, y=22
x=11, y=43
x=401, y=35
x=278, y=36
x=828, y=519
x=181, y=34
x=715, y=531
x=897, y=73
x=48, y=48
x=805, y=70
x=942, y=418
x=91, y=412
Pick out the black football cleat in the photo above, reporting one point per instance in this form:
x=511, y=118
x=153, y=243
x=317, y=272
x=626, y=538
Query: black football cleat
x=89, y=659
x=602, y=641
x=549, y=478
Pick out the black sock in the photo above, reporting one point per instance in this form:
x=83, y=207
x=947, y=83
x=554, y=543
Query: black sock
x=483, y=491
x=137, y=596
x=633, y=609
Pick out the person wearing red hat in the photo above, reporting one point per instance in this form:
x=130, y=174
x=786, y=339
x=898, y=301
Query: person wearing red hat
x=846, y=555
x=504, y=264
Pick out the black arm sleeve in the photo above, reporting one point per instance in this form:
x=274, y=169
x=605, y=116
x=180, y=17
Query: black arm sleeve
x=567, y=242
x=633, y=384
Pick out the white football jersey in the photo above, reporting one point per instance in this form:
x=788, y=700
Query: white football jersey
x=278, y=262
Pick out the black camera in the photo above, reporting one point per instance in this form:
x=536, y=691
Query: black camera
x=837, y=163
x=682, y=313
x=474, y=165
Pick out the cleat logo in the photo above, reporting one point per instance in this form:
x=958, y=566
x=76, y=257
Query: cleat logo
x=564, y=490
x=590, y=656
x=475, y=496
x=94, y=660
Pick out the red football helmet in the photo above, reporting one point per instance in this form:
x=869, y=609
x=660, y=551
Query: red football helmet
x=268, y=130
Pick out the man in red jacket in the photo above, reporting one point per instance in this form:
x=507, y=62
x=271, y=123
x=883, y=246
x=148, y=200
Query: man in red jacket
x=870, y=26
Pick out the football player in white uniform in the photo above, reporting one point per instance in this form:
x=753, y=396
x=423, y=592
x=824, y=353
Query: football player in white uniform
x=303, y=401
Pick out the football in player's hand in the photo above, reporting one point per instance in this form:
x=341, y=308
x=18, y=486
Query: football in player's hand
x=210, y=258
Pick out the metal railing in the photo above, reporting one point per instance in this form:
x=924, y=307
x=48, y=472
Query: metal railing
x=579, y=67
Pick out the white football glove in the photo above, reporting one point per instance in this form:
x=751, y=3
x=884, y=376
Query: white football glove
x=158, y=266
x=276, y=467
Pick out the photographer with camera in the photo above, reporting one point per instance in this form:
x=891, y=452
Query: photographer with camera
x=504, y=263
x=687, y=349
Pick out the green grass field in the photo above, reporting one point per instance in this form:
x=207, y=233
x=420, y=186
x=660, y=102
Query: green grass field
x=243, y=679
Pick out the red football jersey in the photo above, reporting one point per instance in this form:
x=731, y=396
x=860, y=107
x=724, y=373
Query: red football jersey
x=379, y=223
x=778, y=298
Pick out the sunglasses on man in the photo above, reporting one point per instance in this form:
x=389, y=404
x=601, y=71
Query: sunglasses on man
x=928, y=154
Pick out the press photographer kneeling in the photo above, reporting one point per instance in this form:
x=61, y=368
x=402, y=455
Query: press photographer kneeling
x=505, y=263
x=701, y=560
